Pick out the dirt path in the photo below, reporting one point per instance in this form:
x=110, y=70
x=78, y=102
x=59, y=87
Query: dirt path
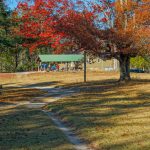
x=78, y=144
x=56, y=94
x=53, y=94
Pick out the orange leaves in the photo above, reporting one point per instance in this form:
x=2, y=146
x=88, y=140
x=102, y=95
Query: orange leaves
x=131, y=23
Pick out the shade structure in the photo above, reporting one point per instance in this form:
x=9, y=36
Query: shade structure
x=61, y=58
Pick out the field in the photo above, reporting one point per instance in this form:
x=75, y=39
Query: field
x=106, y=114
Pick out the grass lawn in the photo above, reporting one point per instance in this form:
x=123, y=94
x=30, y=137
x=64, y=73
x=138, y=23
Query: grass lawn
x=109, y=116
x=30, y=129
x=22, y=128
x=14, y=95
x=104, y=113
x=52, y=78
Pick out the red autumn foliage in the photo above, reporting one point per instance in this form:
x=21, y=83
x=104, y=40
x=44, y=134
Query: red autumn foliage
x=119, y=30
x=38, y=23
x=51, y=21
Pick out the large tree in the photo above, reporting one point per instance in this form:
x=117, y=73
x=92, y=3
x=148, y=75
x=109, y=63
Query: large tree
x=104, y=28
x=115, y=30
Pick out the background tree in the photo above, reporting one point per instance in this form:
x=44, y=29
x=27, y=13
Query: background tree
x=12, y=54
x=141, y=62
x=7, y=40
x=4, y=38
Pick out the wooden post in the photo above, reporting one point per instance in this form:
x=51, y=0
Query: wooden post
x=1, y=88
x=67, y=67
x=84, y=66
x=38, y=66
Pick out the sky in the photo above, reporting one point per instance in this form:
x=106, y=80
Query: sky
x=11, y=3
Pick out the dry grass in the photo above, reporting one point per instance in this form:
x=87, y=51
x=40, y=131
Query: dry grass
x=57, y=78
x=13, y=95
x=30, y=129
x=23, y=128
x=53, y=78
x=109, y=115
x=106, y=114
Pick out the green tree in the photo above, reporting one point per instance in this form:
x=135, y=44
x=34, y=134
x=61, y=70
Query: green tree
x=10, y=43
x=141, y=62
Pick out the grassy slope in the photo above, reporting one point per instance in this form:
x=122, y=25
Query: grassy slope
x=108, y=115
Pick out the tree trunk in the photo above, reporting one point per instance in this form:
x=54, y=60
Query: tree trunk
x=16, y=61
x=124, y=67
x=1, y=88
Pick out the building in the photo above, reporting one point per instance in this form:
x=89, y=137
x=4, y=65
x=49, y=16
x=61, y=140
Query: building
x=103, y=65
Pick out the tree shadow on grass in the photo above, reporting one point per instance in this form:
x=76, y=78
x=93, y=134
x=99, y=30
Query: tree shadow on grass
x=5, y=103
x=134, y=144
x=42, y=84
x=24, y=93
x=31, y=85
x=105, y=83
x=103, y=106
x=19, y=95
x=24, y=128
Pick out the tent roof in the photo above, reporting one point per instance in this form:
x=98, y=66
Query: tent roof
x=61, y=58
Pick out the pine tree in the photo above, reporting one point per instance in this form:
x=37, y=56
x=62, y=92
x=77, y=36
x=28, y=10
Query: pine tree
x=10, y=48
